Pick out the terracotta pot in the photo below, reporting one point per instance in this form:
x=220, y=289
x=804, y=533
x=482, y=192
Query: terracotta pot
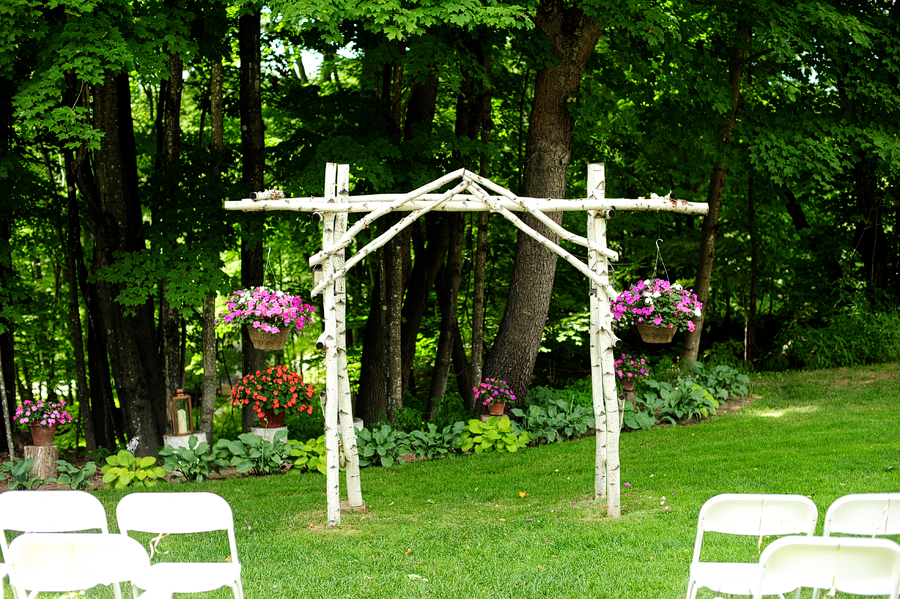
x=42, y=435
x=654, y=334
x=264, y=340
x=628, y=384
x=496, y=409
x=270, y=419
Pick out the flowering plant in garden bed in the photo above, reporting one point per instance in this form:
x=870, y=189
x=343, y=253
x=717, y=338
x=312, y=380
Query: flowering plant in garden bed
x=492, y=391
x=632, y=369
x=48, y=413
x=658, y=303
x=276, y=388
x=265, y=309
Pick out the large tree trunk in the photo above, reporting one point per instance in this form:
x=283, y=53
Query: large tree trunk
x=750, y=341
x=7, y=345
x=73, y=256
x=170, y=319
x=253, y=149
x=714, y=198
x=572, y=36
x=114, y=214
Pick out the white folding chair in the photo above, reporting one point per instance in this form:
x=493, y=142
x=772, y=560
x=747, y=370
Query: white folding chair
x=755, y=515
x=183, y=513
x=863, y=514
x=46, y=512
x=849, y=565
x=66, y=562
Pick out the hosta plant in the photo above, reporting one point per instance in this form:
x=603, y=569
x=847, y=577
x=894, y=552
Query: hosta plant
x=431, y=443
x=381, y=445
x=17, y=474
x=252, y=454
x=494, y=434
x=194, y=462
x=123, y=470
x=309, y=456
x=77, y=478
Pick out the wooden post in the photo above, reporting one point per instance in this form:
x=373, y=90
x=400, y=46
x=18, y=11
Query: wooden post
x=345, y=405
x=332, y=451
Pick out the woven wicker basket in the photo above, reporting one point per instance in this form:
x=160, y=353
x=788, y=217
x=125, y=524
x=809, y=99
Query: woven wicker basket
x=264, y=340
x=654, y=334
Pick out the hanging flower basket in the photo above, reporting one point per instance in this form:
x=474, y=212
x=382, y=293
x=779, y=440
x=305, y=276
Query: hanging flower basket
x=658, y=308
x=654, y=334
x=269, y=315
x=265, y=340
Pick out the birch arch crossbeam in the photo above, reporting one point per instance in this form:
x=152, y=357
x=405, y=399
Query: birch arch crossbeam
x=461, y=191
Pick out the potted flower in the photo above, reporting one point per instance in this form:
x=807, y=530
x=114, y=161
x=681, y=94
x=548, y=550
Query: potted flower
x=43, y=417
x=269, y=315
x=631, y=370
x=272, y=393
x=658, y=308
x=494, y=394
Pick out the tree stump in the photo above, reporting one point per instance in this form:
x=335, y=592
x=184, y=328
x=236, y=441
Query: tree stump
x=45, y=457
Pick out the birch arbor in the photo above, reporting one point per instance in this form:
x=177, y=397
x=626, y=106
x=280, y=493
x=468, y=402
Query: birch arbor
x=469, y=192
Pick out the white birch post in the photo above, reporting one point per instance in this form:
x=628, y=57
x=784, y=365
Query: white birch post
x=596, y=184
x=332, y=452
x=607, y=361
x=345, y=405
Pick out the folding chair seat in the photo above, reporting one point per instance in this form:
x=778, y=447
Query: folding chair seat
x=863, y=514
x=183, y=513
x=67, y=562
x=754, y=515
x=47, y=512
x=849, y=565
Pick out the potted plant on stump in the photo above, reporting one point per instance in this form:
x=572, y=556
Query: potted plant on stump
x=494, y=394
x=272, y=393
x=43, y=417
x=631, y=370
x=658, y=308
x=269, y=315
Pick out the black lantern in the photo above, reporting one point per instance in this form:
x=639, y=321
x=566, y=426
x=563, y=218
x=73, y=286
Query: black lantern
x=182, y=417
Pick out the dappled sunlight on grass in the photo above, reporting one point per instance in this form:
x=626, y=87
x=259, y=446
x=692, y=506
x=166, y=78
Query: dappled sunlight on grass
x=807, y=409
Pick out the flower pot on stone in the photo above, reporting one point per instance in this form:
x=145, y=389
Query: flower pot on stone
x=496, y=409
x=270, y=419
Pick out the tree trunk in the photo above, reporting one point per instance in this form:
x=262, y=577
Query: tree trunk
x=7, y=343
x=115, y=218
x=73, y=249
x=710, y=226
x=869, y=237
x=394, y=268
x=252, y=178
x=447, y=290
x=572, y=36
x=754, y=269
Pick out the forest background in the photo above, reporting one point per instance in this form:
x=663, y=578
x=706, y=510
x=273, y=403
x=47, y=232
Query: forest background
x=126, y=124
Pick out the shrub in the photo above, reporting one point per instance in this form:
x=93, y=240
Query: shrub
x=450, y=410
x=408, y=419
x=382, y=445
x=721, y=381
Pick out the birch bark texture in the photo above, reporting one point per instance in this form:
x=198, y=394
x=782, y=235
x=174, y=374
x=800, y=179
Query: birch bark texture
x=336, y=237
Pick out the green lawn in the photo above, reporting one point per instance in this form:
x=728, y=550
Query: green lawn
x=459, y=527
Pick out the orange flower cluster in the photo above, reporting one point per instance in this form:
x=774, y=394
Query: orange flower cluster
x=277, y=388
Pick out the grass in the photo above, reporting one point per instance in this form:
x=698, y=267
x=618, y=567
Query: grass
x=460, y=527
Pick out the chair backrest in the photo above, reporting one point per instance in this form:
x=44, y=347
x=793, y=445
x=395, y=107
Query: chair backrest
x=848, y=565
x=756, y=515
x=62, y=562
x=51, y=511
x=865, y=514
x=176, y=513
